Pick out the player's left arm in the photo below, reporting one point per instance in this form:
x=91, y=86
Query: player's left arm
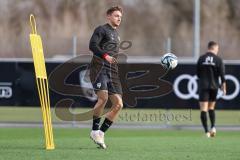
x=222, y=76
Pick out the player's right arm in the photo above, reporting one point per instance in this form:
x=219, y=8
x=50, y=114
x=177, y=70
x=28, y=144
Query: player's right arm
x=95, y=47
x=198, y=67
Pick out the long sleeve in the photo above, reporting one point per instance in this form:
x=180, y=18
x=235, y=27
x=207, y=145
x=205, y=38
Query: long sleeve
x=198, y=68
x=222, y=71
x=95, y=40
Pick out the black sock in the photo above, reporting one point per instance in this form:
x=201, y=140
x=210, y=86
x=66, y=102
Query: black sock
x=96, y=123
x=204, y=120
x=106, y=124
x=212, y=117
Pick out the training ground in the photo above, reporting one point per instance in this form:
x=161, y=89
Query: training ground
x=134, y=136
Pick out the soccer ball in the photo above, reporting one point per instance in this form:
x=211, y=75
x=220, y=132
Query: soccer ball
x=169, y=61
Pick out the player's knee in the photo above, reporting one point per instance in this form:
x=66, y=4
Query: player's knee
x=103, y=99
x=118, y=106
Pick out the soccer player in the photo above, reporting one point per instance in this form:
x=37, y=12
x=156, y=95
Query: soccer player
x=104, y=76
x=210, y=68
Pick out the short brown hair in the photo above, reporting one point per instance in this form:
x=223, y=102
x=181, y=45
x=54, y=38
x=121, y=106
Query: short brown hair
x=212, y=44
x=114, y=8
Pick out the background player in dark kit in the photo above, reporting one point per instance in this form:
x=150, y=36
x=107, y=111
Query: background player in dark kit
x=210, y=68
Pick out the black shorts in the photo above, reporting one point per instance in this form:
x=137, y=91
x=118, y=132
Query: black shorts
x=106, y=81
x=209, y=95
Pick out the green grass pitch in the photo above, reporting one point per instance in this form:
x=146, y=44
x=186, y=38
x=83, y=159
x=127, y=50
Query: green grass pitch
x=33, y=114
x=74, y=143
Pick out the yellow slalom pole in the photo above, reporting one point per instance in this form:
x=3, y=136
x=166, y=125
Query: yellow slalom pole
x=42, y=82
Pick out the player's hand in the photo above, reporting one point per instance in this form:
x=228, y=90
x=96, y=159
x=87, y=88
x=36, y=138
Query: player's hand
x=223, y=88
x=224, y=91
x=111, y=59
